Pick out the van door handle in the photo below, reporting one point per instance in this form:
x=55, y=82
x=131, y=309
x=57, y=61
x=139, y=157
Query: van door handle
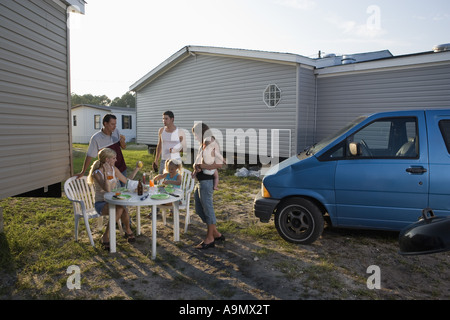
x=416, y=170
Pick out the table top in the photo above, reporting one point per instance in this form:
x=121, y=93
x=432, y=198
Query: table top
x=144, y=200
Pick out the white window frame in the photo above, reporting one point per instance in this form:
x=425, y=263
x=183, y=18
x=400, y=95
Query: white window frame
x=129, y=121
x=272, y=96
x=97, y=121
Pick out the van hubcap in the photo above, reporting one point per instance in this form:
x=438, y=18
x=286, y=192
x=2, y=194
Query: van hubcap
x=297, y=221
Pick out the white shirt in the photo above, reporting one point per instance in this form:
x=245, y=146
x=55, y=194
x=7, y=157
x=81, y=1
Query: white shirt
x=170, y=140
x=101, y=140
x=99, y=191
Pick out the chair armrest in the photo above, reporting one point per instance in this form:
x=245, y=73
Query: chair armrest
x=81, y=203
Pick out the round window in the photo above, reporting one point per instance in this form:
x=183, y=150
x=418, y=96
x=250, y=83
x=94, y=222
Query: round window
x=272, y=95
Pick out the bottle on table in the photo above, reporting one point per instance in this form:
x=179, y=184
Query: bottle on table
x=140, y=188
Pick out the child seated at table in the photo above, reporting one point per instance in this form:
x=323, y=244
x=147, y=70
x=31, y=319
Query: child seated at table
x=172, y=173
x=171, y=176
x=104, y=175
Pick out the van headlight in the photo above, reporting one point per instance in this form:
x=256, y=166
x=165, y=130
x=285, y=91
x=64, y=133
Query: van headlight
x=264, y=192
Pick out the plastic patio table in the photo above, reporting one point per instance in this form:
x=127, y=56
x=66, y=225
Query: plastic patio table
x=134, y=200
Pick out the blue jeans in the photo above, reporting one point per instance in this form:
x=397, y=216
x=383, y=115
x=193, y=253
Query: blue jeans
x=203, y=195
x=99, y=206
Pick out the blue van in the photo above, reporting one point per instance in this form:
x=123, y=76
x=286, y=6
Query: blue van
x=379, y=172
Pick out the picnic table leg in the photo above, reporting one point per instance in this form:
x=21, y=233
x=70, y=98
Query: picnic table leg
x=154, y=232
x=138, y=218
x=112, y=227
x=176, y=221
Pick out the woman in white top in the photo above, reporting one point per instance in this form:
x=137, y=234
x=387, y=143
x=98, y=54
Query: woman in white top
x=170, y=142
x=105, y=175
x=203, y=192
x=209, y=154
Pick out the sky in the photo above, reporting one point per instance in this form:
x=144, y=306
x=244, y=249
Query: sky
x=115, y=43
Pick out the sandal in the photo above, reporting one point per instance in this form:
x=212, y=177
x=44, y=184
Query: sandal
x=221, y=238
x=130, y=237
x=204, y=246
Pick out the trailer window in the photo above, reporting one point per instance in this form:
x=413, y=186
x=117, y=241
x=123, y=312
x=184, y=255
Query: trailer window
x=97, y=122
x=272, y=95
x=126, y=122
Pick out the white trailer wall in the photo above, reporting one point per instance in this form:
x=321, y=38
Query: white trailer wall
x=35, y=146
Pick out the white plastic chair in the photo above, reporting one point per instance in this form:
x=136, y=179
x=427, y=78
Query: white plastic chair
x=82, y=196
x=187, y=185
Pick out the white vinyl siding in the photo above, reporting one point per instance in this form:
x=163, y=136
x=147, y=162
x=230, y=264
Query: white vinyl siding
x=342, y=98
x=306, y=109
x=223, y=92
x=34, y=98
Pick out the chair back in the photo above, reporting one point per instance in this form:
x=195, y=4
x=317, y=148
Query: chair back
x=187, y=185
x=79, y=189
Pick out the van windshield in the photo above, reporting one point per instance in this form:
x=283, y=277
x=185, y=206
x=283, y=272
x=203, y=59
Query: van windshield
x=323, y=143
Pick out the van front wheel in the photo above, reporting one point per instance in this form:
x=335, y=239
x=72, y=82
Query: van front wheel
x=299, y=221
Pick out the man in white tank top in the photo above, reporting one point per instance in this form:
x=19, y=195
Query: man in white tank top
x=170, y=141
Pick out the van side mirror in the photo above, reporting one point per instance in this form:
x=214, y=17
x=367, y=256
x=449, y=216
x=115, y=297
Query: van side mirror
x=355, y=149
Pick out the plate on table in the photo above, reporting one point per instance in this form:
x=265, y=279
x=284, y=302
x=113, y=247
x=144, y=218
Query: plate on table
x=170, y=189
x=120, y=189
x=122, y=197
x=160, y=196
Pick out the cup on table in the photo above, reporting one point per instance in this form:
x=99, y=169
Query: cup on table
x=152, y=190
x=109, y=176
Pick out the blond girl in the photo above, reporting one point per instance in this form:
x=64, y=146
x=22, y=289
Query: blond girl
x=172, y=173
x=104, y=175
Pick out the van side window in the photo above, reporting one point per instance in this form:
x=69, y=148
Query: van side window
x=385, y=138
x=444, y=126
x=338, y=152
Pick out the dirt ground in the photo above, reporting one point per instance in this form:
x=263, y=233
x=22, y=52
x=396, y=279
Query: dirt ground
x=261, y=266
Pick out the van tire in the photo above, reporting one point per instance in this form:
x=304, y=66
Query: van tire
x=299, y=221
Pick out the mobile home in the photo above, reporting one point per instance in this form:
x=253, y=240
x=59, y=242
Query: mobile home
x=87, y=120
x=35, y=139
